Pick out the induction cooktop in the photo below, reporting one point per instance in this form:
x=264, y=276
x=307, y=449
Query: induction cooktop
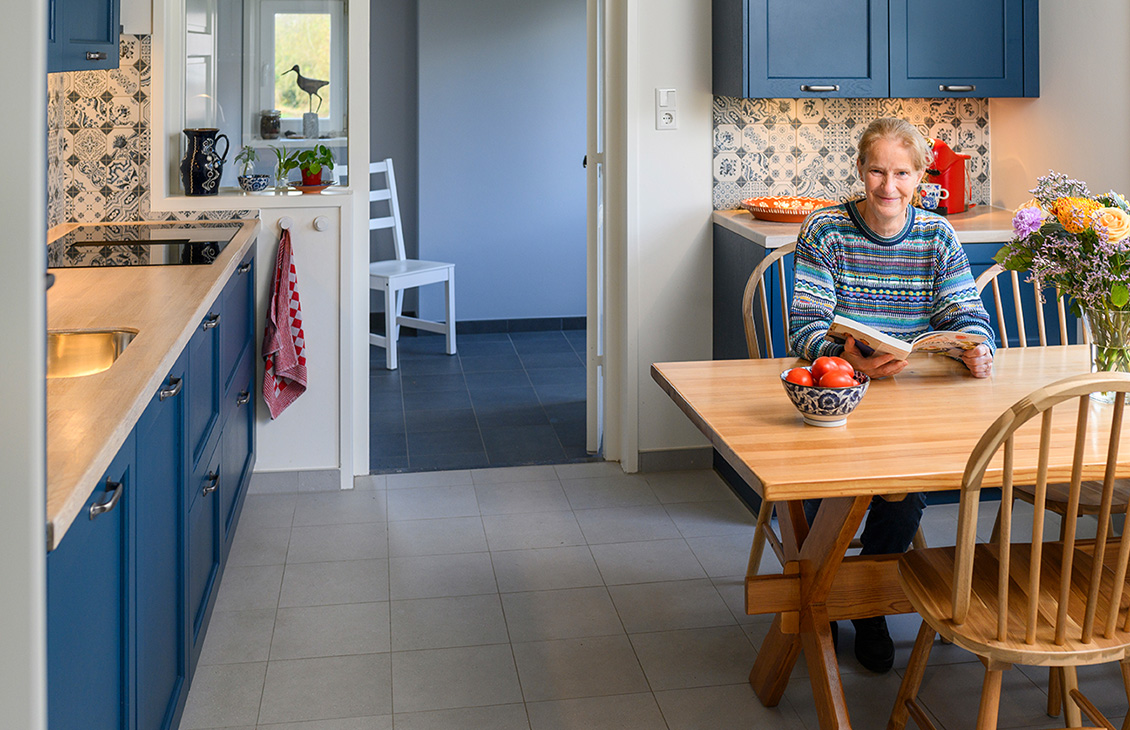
x=130, y=244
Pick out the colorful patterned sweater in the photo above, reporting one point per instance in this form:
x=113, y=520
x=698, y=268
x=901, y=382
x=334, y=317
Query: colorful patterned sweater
x=914, y=282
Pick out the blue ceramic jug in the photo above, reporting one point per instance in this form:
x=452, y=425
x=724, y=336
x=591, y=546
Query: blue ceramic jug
x=202, y=167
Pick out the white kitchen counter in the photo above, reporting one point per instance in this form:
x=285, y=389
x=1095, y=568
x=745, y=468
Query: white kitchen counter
x=981, y=224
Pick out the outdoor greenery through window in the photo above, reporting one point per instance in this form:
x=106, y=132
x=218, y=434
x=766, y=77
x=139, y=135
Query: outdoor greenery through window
x=303, y=40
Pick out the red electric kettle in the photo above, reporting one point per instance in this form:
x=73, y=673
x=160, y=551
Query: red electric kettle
x=948, y=170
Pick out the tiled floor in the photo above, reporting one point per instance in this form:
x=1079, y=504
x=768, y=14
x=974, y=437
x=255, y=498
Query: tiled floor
x=533, y=598
x=503, y=400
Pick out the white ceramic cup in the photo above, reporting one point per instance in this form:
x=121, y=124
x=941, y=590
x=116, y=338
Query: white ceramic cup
x=930, y=194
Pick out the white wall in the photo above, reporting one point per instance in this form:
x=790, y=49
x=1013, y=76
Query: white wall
x=1078, y=125
x=669, y=206
x=22, y=389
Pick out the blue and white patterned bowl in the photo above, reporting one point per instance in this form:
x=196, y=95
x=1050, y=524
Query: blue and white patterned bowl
x=825, y=407
x=254, y=183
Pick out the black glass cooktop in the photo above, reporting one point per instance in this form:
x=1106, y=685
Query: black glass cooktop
x=162, y=244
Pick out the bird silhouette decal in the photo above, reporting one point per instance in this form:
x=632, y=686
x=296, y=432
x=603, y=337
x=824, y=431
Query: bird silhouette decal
x=310, y=86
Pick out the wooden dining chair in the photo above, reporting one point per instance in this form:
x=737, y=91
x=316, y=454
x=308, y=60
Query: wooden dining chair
x=1056, y=603
x=756, y=315
x=1023, y=311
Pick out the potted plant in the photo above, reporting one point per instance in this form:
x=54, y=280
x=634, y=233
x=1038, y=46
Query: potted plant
x=311, y=162
x=285, y=162
x=248, y=181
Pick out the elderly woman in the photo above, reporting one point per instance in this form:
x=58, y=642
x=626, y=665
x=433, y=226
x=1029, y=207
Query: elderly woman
x=901, y=270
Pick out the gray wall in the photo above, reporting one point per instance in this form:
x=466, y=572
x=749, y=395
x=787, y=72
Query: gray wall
x=501, y=137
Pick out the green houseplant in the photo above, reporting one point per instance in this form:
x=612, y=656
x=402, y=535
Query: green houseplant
x=311, y=162
x=248, y=181
x=284, y=163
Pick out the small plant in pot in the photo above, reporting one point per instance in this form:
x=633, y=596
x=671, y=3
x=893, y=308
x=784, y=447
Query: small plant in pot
x=248, y=181
x=285, y=162
x=312, y=161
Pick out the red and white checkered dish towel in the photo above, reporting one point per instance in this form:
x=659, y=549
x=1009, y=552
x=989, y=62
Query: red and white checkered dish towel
x=284, y=343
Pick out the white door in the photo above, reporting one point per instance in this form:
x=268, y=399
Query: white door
x=594, y=159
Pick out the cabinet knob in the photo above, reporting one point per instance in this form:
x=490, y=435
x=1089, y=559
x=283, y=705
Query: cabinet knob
x=95, y=55
x=212, y=321
x=213, y=483
x=102, y=508
x=321, y=223
x=175, y=384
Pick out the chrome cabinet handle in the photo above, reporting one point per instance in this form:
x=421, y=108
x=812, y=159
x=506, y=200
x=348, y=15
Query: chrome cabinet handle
x=243, y=268
x=104, y=507
x=957, y=87
x=175, y=384
x=95, y=55
x=211, y=322
x=242, y=398
x=819, y=87
x=213, y=484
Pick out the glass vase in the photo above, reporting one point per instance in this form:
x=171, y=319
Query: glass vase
x=1110, y=344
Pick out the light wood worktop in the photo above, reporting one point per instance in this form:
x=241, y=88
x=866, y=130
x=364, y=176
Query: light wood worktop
x=89, y=417
x=981, y=224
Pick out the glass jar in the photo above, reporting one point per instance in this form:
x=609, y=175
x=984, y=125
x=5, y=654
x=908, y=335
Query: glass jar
x=270, y=123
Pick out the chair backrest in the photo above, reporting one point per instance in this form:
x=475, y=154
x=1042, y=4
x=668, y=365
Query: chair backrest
x=386, y=191
x=755, y=289
x=1020, y=305
x=1079, y=574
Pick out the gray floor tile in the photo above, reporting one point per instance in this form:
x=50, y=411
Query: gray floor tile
x=458, y=477
x=694, y=657
x=543, y=569
x=326, y=688
x=259, y=546
x=438, y=576
x=497, y=717
x=704, y=519
x=511, y=498
x=626, y=524
x=439, y=679
x=585, y=667
x=643, y=562
x=326, y=543
x=224, y=695
x=337, y=630
x=511, y=474
x=733, y=706
x=345, y=581
x=379, y=722
x=618, y=712
x=590, y=470
x=436, y=537
x=244, y=588
x=561, y=614
x=623, y=490
x=268, y=510
x=532, y=530
x=724, y=555
x=431, y=502
x=669, y=606
x=444, y=623
x=701, y=485
x=236, y=637
x=340, y=508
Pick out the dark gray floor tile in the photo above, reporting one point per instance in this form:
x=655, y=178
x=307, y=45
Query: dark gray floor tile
x=381, y=421
x=433, y=383
x=378, y=464
x=493, y=398
x=536, y=335
x=477, y=337
x=450, y=461
x=434, y=364
x=497, y=379
x=479, y=349
x=508, y=415
x=555, y=393
x=553, y=376
x=566, y=412
x=444, y=400
x=521, y=444
x=444, y=442
x=548, y=345
x=388, y=444
x=455, y=420
x=571, y=435
x=551, y=360
x=482, y=363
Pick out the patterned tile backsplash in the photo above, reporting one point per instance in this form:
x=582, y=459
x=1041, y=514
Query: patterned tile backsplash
x=98, y=132
x=807, y=146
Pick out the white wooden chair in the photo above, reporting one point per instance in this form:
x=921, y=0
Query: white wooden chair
x=394, y=276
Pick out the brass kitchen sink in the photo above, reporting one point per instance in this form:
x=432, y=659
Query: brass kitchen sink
x=71, y=353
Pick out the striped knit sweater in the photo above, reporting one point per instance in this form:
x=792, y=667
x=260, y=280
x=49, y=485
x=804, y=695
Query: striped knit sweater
x=914, y=282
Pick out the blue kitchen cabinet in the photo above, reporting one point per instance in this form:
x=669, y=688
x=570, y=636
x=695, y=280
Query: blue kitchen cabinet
x=161, y=663
x=204, y=380
x=984, y=48
x=82, y=35
x=735, y=258
x=875, y=48
x=237, y=368
x=89, y=611
x=202, y=545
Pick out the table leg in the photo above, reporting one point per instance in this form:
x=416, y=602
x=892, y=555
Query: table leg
x=819, y=554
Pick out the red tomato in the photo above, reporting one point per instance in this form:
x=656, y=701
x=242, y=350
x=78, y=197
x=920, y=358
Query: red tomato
x=822, y=365
x=844, y=365
x=836, y=379
x=800, y=376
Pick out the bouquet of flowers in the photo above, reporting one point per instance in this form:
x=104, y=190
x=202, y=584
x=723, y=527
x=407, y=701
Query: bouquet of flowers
x=1079, y=243
x=1073, y=240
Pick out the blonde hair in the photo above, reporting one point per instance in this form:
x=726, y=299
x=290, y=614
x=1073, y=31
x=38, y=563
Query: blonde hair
x=900, y=131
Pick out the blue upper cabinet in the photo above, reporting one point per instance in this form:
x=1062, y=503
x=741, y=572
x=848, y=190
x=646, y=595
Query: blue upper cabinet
x=984, y=48
x=82, y=34
x=875, y=48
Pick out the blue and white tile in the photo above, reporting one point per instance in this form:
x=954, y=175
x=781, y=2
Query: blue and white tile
x=727, y=138
x=727, y=167
x=809, y=110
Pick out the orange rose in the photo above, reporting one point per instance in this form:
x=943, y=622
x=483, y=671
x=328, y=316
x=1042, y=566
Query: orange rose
x=1116, y=222
x=1075, y=213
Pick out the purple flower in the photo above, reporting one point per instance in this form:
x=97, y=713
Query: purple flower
x=1027, y=221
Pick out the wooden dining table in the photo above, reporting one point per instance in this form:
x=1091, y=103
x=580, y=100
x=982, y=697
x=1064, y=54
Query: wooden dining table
x=911, y=433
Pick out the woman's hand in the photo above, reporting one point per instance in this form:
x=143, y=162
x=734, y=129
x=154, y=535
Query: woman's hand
x=878, y=365
x=979, y=360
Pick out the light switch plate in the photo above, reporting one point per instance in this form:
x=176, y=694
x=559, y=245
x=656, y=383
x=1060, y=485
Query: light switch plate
x=666, y=109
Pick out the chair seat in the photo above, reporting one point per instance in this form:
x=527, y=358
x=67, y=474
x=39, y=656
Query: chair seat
x=926, y=577
x=1090, y=496
x=393, y=267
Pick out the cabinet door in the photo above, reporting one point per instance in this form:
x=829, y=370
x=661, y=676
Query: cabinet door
x=202, y=388
x=236, y=308
x=203, y=549
x=236, y=443
x=159, y=508
x=88, y=579
x=961, y=48
x=832, y=48
x=83, y=35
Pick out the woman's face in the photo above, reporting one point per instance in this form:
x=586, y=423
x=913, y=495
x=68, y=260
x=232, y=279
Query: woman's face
x=889, y=181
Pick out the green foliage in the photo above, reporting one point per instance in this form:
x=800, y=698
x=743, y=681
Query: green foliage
x=247, y=158
x=303, y=39
x=285, y=162
x=313, y=160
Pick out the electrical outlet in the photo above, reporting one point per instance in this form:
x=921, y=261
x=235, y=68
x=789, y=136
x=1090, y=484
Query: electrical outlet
x=666, y=109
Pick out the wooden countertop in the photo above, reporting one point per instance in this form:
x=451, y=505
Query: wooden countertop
x=89, y=417
x=981, y=224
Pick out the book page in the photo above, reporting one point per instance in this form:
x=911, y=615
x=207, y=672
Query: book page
x=947, y=341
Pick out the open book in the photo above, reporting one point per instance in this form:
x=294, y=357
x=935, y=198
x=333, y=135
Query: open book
x=870, y=340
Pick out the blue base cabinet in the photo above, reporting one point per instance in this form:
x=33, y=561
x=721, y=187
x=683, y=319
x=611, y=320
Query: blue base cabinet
x=130, y=590
x=89, y=608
